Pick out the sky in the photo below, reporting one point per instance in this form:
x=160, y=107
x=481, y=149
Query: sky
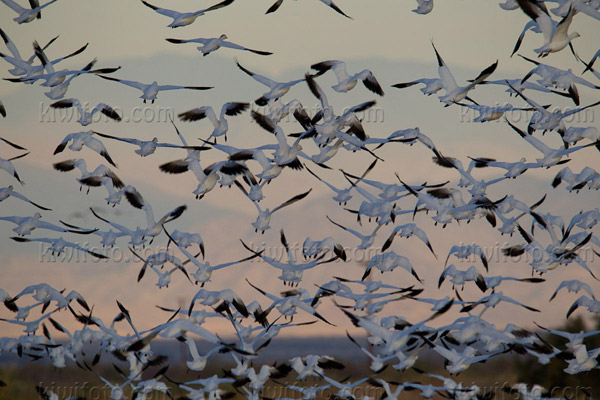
x=384, y=36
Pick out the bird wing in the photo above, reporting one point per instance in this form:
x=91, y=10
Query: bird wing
x=238, y=47
x=259, y=78
x=137, y=85
x=445, y=75
x=162, y=11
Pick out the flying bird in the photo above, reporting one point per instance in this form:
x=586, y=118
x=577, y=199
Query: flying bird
x=213, y=44
x=185, y=18
x=149, y=91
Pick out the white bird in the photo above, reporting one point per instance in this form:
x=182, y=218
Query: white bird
x=153, y=227
x=573, y=286
x=21, y=65
x=408, y=230
x=220, y=124
x=150, y=90
x=290, y=301
x=137, y=236
x=187, y=18
x=329, y=3
x=80, y=139
x=148, y=147
x=102, y=175
x=210, y=298
x=29, y=326
x=198, y=362
x=432, y=85
x=592, y=305
x=58, y=245
x=455, y=93
x=459, y=361
x=342, y=196
x=278, y=89
x=8, y=191
x=465, y=251
x=556, y=35
x=346, y=81
x=212, y=44
x=85, y=117
x=27, y=224
x=493, y=300
x=160, y=259
x=365, y=240
x=551, y=157
x=8, y=166
x=204, y=270
x=263, y=219
x=377, y=362
x=314, y=248
x=460, y=277
x=27, y=14
x=59, y=91
x=291, y=271
x=584, y=360
x=389, y=261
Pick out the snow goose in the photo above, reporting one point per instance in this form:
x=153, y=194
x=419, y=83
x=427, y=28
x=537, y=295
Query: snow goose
x=148, y=147
x=212, y=44
x=27, y=72
x=160, y=259
x=8, y=166
x=220, y=124
x=291, y=271
x=466, y=251
x=408, y=230
x=8, y=191
x=551, y=157
x=455, y=93
x=24, y=66
x=365, y=240
x=150, y=90
x=25, y=225
x=185, y=18
x=204, y=270
x=342, y=196
x=58, y=245
x=153, y=227
x=285, y=155
x=573, y=286
x=137, y=236
x=80, y=139
x=263, y=220
x=27, y=14
x=389, y=261
x=556, y=36
x=85, y=117
x=291, y=301
x=278, y=89
x=346, y=81
x=432, y=85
